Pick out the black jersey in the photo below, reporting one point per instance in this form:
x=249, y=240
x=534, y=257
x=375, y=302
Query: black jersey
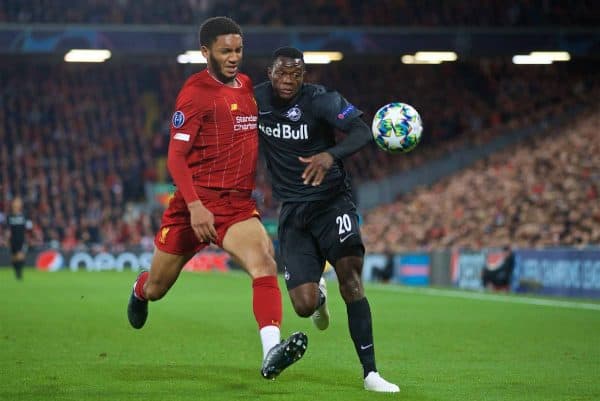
x=18, y=224
x=303, y=127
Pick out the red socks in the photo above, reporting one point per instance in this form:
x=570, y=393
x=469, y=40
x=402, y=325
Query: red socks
x=138, y=288
x=266, y=301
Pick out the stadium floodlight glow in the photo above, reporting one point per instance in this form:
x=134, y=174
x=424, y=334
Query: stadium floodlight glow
x=429, y=57
x=322, y=57
x=435, y=56
x=411, y=59
x=191, y=57
x=87, y=55
x=554, y=56
x=529, y=59
x=538, y=57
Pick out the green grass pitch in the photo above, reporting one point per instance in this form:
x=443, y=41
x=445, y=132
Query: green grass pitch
x=65, y=336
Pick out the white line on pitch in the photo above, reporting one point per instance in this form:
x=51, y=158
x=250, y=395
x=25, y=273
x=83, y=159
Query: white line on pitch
x=489, y=297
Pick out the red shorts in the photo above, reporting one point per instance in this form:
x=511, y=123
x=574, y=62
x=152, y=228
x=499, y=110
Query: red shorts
x=176, y=235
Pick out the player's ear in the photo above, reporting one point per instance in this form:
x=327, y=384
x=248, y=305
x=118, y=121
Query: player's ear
x=269, y=71
x=205, y=50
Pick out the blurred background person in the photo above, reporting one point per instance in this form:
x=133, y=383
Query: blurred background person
x=18, y=226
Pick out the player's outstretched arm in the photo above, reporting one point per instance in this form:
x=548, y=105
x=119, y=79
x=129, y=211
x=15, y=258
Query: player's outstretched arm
x=358, y=136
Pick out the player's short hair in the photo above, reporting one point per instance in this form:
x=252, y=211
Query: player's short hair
x=216, y=26
x=290, y=52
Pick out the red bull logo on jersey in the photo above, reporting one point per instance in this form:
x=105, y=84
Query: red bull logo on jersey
x=285, y=131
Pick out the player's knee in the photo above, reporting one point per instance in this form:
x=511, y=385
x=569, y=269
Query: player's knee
x=351, y=288
x=262, y=264
x=348, y=270
x=305, y=306
x=304, y=310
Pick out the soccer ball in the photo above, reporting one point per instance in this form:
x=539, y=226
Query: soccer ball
x=397, y=127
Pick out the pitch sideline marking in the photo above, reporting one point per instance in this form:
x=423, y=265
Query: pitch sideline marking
x=490, y=297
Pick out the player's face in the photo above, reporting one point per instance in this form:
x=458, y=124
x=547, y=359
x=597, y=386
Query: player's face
x=224, y=57
x=17, y=205
x=287, y=76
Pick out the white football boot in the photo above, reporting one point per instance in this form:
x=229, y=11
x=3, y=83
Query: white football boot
x=320, y=317
x=374, y=382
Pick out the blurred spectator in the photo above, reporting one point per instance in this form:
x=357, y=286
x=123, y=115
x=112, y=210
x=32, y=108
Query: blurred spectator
x=540, y=193
x=496, y=277
x=312, y=12
x=80, y=142
x=99, y=11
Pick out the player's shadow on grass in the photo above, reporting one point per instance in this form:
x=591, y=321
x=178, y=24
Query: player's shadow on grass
x=213, y=376
x=220, y=376
x=162, y=372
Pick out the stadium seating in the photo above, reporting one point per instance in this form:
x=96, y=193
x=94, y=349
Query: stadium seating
x=427, y=13
x=80, y=142
x=543, y=193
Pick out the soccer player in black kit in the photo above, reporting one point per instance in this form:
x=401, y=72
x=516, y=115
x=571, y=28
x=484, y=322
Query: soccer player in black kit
x=318, y=221
x=18, y=246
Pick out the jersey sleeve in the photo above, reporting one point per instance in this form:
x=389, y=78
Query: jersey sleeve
x=186, y=123
x=335, y=109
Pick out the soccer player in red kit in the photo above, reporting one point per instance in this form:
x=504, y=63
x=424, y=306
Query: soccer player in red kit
x=212, y=157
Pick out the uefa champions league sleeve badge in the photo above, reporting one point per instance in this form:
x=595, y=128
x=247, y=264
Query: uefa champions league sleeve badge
x=178, y=119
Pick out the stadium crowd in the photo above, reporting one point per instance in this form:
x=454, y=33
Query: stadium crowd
x=541, y=193
x=460, y=105
x=403, y=13
x=74, y=147
x=81, y=143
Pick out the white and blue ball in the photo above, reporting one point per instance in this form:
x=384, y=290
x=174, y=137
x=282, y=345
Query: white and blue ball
x=397, y=127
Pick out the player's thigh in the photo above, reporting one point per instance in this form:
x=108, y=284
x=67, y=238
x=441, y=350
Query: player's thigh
x=249, y=244
x=18, y=250
x=18, y=256
x=166, y=267
x=301, y=258
x=337, y=230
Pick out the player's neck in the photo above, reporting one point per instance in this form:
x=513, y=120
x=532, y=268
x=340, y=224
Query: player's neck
x=234, y=83
x=281, y=102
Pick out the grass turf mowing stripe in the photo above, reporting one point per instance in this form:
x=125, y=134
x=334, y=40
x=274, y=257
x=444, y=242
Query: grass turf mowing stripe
x=64, y=336
x=489, y=297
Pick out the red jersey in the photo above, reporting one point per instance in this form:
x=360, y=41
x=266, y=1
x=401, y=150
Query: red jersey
x=214, y=136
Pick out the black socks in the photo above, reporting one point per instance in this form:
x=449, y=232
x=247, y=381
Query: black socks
x=18, y=269
x=361, y=331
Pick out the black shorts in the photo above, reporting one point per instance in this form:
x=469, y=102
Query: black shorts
x=311, y=233
x=16, y=247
